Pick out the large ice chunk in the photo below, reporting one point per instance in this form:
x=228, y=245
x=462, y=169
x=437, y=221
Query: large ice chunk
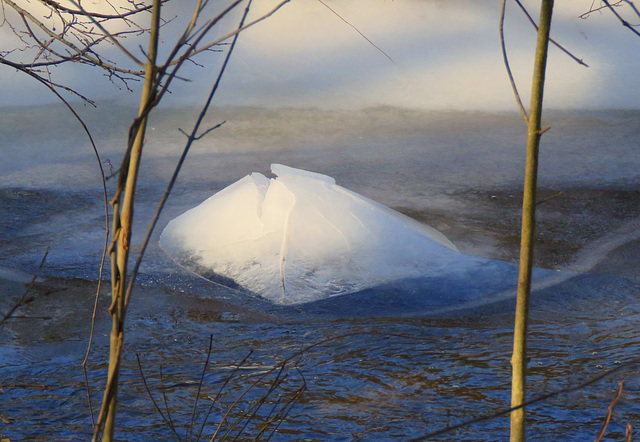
x=300, y=238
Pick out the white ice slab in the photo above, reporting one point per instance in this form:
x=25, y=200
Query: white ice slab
x=300, y=238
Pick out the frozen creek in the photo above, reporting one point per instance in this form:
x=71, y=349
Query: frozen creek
x=409, y=372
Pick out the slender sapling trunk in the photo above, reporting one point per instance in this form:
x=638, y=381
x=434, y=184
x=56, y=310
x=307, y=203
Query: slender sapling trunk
x=519, y=359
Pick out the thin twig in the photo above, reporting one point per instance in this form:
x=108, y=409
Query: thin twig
x=624, y=22
x=237, y=31
x=251, y=414
x=155, y=404
x=203, y=134
x=110, y=36
x=255, y=407
x=284, y=411
x=357, y=30
x=288, y=406
x=549, y=198
x=287, y=361
x=47, y=82
x=592, y=9
x=505, y=58
x=552, y=41
x=21, y=301
x=195, y=402
x=610, y=412
x=81, y=54
x=633, y=6
x=57, y=6
x=215, y=399
x=165, y=399
x=542, y=398
x=175, y=61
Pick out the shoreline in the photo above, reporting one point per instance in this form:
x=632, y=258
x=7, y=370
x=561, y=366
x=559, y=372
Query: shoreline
x=572, y=225
x=578, y=231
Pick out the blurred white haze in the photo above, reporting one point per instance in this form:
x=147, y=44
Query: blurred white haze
x=446, y=56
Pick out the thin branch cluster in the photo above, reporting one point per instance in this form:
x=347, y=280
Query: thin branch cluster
x=625, y=11
x=47, y=33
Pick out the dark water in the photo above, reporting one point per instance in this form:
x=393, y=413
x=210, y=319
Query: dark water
x=386, y=378
x=394, y=374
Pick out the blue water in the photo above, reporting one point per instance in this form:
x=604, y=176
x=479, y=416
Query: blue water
x=403, y=367
x=387, y=378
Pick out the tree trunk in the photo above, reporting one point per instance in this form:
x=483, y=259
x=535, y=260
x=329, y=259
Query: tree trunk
x=519, y=359
x=122, y=228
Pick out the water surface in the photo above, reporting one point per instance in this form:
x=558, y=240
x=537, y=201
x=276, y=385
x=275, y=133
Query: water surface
x=394, y=374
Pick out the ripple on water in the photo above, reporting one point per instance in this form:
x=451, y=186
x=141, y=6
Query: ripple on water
x=387, y=378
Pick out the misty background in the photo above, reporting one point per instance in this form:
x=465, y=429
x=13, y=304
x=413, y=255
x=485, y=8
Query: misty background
x=445, y=55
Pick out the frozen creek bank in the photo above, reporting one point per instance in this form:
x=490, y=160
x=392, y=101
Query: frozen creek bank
x=579, y=230
x=458, y=172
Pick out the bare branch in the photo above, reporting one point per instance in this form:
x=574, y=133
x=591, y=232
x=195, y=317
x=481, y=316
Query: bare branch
x=633, y=6
x=592, y=9
x=109, y=35
x=166, y=419
x=81, y=52
x=523, y=111
x=624, y=22
x=555, y=43
x=204, y=372
x=22, y=300
x=357, y=30
x=47, y=82
x=234, y=33
x=541, y=398
x=198, y=137
x=215, y=399
x=613, y=403
x=58, y=7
